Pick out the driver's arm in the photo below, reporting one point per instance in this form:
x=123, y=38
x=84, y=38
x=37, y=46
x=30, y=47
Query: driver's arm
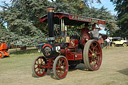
x=99, y=26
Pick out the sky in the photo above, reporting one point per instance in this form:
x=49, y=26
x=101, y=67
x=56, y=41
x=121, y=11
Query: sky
x=106, y=3
x=7, y=1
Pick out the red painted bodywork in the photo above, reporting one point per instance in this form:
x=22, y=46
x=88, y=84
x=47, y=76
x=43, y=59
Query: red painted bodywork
x=70, y=52
x=47, y=45
x=73, y=43
x=49, y=64
x=72, y=18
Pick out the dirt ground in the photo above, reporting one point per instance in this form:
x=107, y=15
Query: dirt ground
x=113, y=71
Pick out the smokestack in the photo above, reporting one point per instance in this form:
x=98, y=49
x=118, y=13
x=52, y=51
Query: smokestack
x=50, y=15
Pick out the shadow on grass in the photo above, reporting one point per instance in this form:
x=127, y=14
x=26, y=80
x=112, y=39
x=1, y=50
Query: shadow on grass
x=124, y=71
x=79, y=67
x=28, y=51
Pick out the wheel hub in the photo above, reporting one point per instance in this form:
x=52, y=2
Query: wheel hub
x=62, y=67
x=94, y=55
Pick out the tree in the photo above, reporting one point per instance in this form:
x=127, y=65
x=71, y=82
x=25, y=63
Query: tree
x=121, y=6
x=22, y=18
x=23, y=12
x=12, y=38
x=2, y=26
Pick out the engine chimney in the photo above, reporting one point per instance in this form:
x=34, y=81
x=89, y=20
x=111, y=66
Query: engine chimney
x=50, y=15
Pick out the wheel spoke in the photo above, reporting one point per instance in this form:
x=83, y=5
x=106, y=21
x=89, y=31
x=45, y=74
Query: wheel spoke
x=98, y=60
x=90, y=51
x=61, y=62
x=92, y=45
x=90, y=55
x=95, y=47
x=98, y=53
x=59, y=73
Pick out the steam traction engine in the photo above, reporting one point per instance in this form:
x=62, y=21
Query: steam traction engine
x=63, y=51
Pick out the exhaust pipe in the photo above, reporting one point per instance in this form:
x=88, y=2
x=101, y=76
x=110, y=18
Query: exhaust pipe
x=50, y=15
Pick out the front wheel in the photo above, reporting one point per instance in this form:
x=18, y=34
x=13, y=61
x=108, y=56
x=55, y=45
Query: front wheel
x=60, y=67
x=38, y=67
x=92, y=55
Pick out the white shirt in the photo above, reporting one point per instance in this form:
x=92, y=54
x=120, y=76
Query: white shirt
x=107, y=40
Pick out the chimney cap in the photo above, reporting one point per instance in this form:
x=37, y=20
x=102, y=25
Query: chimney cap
x=50, y=9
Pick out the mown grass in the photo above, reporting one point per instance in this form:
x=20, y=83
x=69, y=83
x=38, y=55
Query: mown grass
x=19, y=60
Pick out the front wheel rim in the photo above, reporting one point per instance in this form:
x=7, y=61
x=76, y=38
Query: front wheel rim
x=60, y=67
x=37, y=69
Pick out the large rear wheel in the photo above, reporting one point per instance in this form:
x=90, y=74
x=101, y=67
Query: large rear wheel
x=92, y=55
x=37, y=68
x=60, y=67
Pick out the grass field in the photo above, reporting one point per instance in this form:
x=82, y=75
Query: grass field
x=17, y=70
x=19, y=59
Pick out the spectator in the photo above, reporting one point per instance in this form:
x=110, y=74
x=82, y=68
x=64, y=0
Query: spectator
x=108, y=43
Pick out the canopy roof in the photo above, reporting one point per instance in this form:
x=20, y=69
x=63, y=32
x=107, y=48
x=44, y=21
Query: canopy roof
x=72, y=19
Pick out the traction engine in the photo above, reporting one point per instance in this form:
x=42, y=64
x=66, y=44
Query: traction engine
x=62, y=52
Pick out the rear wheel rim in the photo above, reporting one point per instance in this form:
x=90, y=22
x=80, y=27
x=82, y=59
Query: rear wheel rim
x=92, y=55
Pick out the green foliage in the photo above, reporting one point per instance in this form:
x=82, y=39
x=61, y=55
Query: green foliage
x=14, y=39
x=121, y=6
x=24, y=14
x=22, y=18
x=73, y=31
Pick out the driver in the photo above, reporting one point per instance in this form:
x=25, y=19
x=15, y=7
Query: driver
x=95, y=31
